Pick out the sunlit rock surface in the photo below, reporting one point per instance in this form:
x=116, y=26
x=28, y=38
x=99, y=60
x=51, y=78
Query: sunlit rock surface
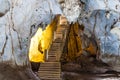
x=41, y=42
x=101, y=19
x=20, y=23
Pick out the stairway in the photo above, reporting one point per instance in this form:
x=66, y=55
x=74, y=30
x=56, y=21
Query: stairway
x=51, y=68
x=50, y=71
x=55, y=52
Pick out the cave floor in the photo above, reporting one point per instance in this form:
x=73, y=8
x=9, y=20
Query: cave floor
x=68, y=73
x=89, y=76
x=20, y=73
x=73, y=71
x=89, y=70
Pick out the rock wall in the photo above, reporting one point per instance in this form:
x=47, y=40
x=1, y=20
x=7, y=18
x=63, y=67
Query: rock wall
x=78, y=44
x=101, y=19
x=19, y=20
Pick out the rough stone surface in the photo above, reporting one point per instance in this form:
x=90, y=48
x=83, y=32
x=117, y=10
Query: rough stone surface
x=101, y=19
x=19, y=20
x=72, y=9
x=20, y=23
x=4, y=7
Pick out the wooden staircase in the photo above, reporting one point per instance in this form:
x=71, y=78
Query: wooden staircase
x=51, y=68
x=50, y=71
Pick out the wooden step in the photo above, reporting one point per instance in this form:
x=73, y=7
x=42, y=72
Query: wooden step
x=50, y=64
x=54, y=44
x=58, y=40
x=50, y=71
x=54, y=51
x=60, y=30
x=49, y=74
x=63, y=27
x=52, y=55
x=51, y=59
x=49, y=78
x=55, y=47
x=59, y=36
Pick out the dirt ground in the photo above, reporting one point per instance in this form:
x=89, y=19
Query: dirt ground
x=9, y=73
x=72, y=71
x=88, y=70
x=88, y=76
x=85, y=68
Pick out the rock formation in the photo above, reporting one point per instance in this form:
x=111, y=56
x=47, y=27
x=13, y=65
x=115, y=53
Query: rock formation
x=19, y=20
x=101, y=20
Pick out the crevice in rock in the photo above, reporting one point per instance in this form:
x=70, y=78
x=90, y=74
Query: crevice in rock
x=112, y=26
x=95, y=22
x=61, y=1
x=4, y=45
x=2, y=14
x=12, y=25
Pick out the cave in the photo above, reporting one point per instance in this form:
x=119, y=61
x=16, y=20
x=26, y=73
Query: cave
x=62, y=48
x=59, y=40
